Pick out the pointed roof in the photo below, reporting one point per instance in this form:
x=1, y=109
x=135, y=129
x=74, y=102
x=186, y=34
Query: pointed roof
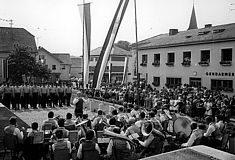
x=193, y=20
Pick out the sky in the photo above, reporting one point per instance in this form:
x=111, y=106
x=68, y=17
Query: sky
x=57, y=26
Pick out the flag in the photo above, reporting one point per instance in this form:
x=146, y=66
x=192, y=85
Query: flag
x=110, y=72
x=108, y=43
x=86, y=22
x=125, y=70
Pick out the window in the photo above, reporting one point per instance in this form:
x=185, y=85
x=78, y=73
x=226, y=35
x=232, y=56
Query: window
x=41, y=57
x=205, y=56
x=186, y=58
x=226, y=54
x=144, y=60
x=173, y=82
x=156, y=81
x=195, y=82
x=156, y=61
x=53, y=67
x=91, y=59
x=63, y=67
x=225, y=85
x=171, y=58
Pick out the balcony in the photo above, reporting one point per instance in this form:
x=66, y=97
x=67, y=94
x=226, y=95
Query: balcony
x=170, y=63
x=186, y=63
x=204, y=63
x=225, y=63
x=144, y=64
x=156, y=64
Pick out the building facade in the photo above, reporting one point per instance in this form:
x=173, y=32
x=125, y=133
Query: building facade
x=51, y=62
x=199, y=57
x=65, y=66
x=9, y=37
x=76, y=67
x=115, y=67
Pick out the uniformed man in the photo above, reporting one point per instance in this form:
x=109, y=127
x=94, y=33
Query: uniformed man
x=61, y=94
x=68, y=93
x=35, y=91
x=7, y=95
x=53, y=93
x=26, y=92
x=44, y=94
x=17, y=94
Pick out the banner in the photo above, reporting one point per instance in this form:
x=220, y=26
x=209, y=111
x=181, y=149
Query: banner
x=124, y=79
x=108, y=44
x=86, y=22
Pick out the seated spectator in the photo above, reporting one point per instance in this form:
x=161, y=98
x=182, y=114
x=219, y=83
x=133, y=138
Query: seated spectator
x=213, y=136
x=68, y=120
x=12, y=129
x=88, y=150
x=100, y=121
x=141, y=121
x=62, y=128
x=112, y=123
x=60, y=142
x=157, y=124
x=51, y=120
x=196, y=133
x=119, y=149
x=132, y=129
x=220, y=123
x=34, y=127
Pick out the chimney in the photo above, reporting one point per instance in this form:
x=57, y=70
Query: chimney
x=208, y=25
x=173, y=32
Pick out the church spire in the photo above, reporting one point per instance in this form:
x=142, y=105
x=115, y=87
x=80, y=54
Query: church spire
x=193, y=20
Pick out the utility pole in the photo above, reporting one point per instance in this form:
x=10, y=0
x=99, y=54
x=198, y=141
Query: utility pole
x=7, y=20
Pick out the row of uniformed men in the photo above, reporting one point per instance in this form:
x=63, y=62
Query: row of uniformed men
x=35, y=95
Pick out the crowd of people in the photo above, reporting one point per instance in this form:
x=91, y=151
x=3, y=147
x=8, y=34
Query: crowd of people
x=34, y=96
x=140, y=127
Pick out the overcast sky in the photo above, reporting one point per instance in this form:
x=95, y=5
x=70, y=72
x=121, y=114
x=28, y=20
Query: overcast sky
x=56, y=24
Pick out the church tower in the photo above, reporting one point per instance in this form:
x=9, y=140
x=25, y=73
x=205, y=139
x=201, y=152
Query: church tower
x=193, y=20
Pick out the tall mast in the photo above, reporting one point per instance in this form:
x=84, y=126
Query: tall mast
x=137, y=57
x=83, y=45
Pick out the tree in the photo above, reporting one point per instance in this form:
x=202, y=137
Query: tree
x=124, y=45
x=22, y=63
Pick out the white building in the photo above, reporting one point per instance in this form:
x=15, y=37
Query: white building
x=199, y=57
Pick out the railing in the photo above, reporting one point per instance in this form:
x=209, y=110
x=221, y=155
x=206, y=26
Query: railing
x=156, y=64
x=226, y=63
x=186, y=63
x=204, y=63
x=143, y=64
x=170, y=63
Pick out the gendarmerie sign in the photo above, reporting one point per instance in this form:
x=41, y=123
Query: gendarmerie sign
x=220, y=74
